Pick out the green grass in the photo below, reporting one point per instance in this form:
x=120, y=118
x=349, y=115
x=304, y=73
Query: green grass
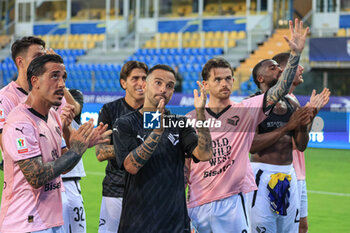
x=327, y=171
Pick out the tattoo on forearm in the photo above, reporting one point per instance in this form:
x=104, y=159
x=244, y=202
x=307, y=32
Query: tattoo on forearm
x=204, y=137
x=78, y=147
x=275, y=93
x=143, y=153
x=105, y=152
x=38, y=173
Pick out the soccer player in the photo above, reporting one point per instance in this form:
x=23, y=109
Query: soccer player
x=132, y=79
x=74, y=216
x=23, y=51
x=275, y=206
x=298, y=156
x=31, y=199
x=216, y=197
x=154, y=194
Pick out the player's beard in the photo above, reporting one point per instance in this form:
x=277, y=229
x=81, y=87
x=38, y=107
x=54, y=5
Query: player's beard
x=272, y=83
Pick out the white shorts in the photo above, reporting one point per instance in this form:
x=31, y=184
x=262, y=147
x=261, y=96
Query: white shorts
x=59, y=229
x=111, y=209
x=262, y=218
x=303, y=198
x=73, y=208
x=225, y=215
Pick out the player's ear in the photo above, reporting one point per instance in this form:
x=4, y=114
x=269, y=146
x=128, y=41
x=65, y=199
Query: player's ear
x=260, y=79
x=205, y=84
x=35, y=82
x=123, y=83
x=19, y=60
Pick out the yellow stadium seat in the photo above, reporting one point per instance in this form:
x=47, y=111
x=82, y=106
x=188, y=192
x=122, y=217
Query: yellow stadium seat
x=241, y=34
x=101, y=37
x=209, y=35
x=231, y=43
x=218, y=35
x=95, y=37
x=91, y=45
x=173, y=36
x=195, y=36
x=164, y=36
x=195, y=44
x=208, y=43
x=341, y=32
x=233, y=35
x=186, y=35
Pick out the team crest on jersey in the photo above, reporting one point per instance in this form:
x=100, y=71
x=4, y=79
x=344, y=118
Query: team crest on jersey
x=233, y=120
x=2, y=115
x=21, y=145
x=173, y=138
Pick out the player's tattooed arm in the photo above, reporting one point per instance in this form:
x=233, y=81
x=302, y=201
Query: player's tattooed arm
x=38, y=173
x=296, y=43
x=275, y=93
x=138, y=157
x=104, y=152
x=203, y=151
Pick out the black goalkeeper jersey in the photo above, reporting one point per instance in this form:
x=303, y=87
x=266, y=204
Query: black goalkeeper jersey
x=154, y=198
x=113, y=183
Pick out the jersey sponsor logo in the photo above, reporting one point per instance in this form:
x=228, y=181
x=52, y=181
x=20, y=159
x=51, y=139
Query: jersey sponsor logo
x=221, y=151
x=173, y=138
x=2, y=115
x=52, y=186
x=21, y=145
x=260, y=229
x=217, y=172
x=275, y=124
x=233, y=120
x=151, y=120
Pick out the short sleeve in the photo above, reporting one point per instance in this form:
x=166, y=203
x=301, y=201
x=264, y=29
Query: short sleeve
x=5, y=108
x=21, y=140
x=189, y=140
x=124, y=141
x=104, y=117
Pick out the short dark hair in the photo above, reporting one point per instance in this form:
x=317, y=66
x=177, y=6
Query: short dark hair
x=22, y=45
x=79, y=97
x=214, y=63
x=128, y=67
x=37, y=66
x=161, y=67
x=281, y=59
x=256, y=70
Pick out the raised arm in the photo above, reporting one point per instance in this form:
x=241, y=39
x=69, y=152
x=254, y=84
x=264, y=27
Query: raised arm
x=296, y=44
x=301, y=134
x=138, y=157
x=203, y=150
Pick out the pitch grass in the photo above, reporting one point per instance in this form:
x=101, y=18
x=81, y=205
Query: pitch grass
x=327, y=171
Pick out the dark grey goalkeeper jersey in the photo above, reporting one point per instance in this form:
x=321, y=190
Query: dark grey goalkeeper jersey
x=154, y=198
